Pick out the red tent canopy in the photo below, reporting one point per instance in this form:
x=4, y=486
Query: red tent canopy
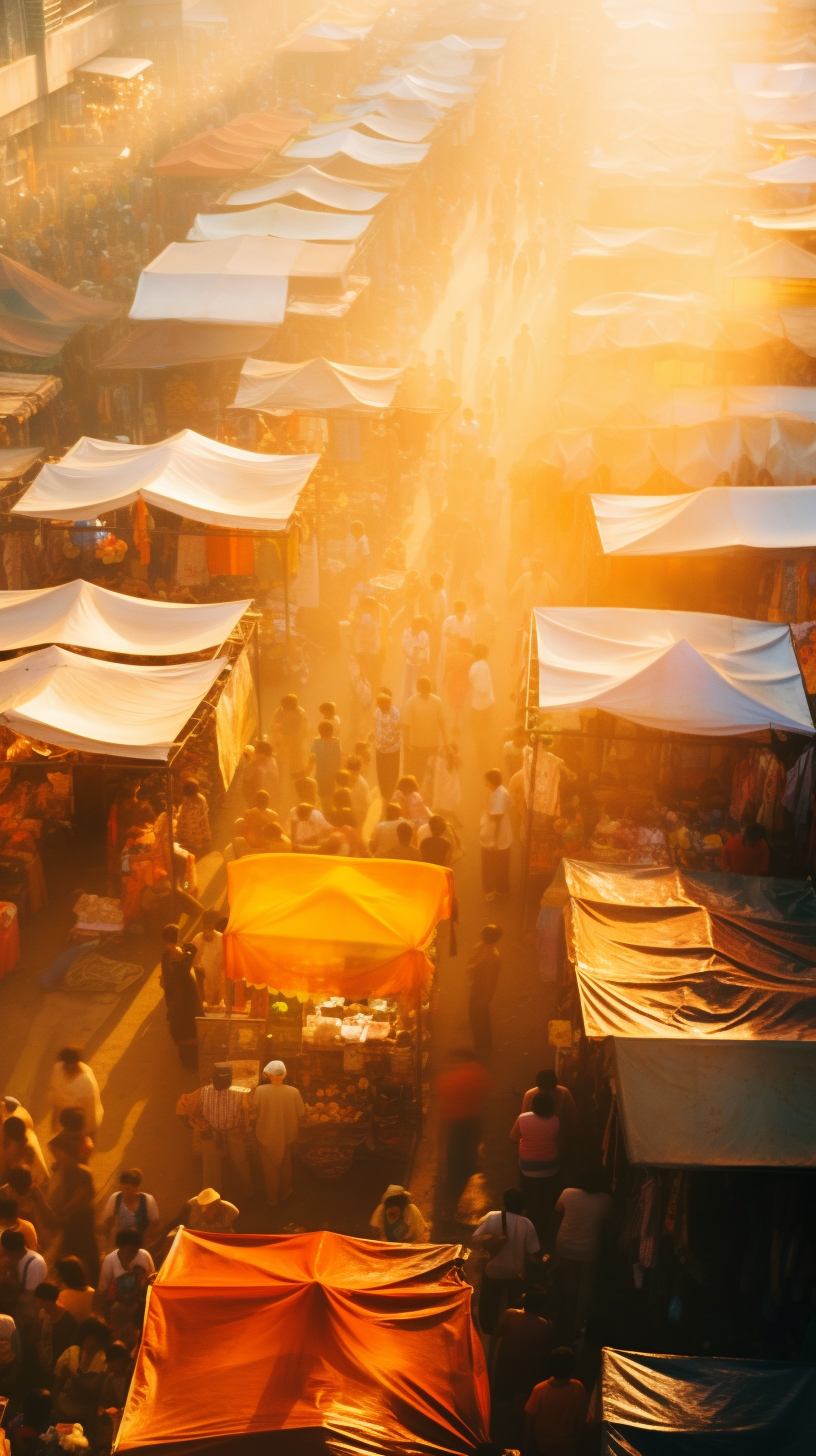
x=369, y=1347
x=236, y=147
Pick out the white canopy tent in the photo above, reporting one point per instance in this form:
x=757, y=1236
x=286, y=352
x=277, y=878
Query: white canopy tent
x=188, y=474
x=794, y=78
x=462, y=44
x=79, y=614
x=796, y=171
x=439, y=92
x=274, y=220
x=243, y=280
x=121, y=68
x=617, y=398
x=642, y=320
x=370, y=151
x=695, y=454
x=408, y=104
x=124, y=711
x=718, y=519
x=329, y=30
x=682, y=672
x=787, y=110
x=778, y=260
x=788, y=220
x=316, y=386
x=609, y=242
x=315, y=186
x=395, y=130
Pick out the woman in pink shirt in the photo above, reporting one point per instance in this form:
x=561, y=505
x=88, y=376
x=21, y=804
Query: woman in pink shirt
x=536, y=1133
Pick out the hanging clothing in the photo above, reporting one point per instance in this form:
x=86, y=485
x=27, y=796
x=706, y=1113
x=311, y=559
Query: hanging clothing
x=798, y=789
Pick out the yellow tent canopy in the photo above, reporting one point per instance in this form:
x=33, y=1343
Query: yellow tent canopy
x=320, y=925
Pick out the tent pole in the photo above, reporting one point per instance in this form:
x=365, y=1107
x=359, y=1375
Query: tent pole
x=168, y=799
x=287, y=659
x=418, y=1071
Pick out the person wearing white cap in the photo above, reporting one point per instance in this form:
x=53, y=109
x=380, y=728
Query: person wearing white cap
x=210, y=1213
x=277, y=1111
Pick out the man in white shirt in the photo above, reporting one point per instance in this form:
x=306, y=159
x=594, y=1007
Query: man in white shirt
x=503, y=1275
x=585, y=1209
x=385, y=838
x=423, y=724
x=277, y=1111
x=307, y=827
x=73, y=1084
x=209, y=962
x=482, y=703
x=496, y=837
x=124, y=1271
x=458, y=624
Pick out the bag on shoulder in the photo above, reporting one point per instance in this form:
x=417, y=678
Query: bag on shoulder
x=496, y=1242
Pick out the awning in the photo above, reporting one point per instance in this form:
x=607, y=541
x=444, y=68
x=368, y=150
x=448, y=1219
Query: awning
x=316, y=386
x=237, y=147
x=791, y=79
x=608, y=242
x=189, y=474
x=791, y=220
x=616, y=397
x=370, y=151
x=796, y=171
x=275, y=220
x=122, y=68
x=384, y=126
x=762, y=897
x=787, y=110
x=644, y=320
x=160, y=344
x=330, y=926
x=777, y=260
x=681, y=672
x=79, y=614
x=241, y=280
x=315, y=186
x=723, y=1104
x=679, y=1405
x=24, y=395
x=367, y=1347
x=80, y=703
x=38, y=317
x=204, y=15
x=15, y=463
x=696, y=455
x=773, y=518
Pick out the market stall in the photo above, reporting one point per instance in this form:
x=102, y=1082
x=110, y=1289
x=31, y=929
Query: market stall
x=367, y=1346
x=337, y=955
x=658, y=733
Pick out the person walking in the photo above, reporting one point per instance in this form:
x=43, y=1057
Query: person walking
x=423, y=726
x=290, y=727
x=520, y=273
x=482, y=703
x=510, y=1240
x=556, y=1412
x=131, y=1207
x=416, y=650
x=71, y=1197
x=325, y=760
x=536, y=1133
x=73, y=1084
x=387, y=743
x=522, y=355
x=366, y=640
x=522, y=1345
x=277, y=1111
x=193, y=820
x=181, y=997
x=584, y=1209
x=462, y=1091
x=484, y=968
x=496, y=837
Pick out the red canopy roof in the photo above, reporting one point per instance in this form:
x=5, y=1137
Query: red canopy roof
x=236, y=147
x=369, y=1345
x=38, y=316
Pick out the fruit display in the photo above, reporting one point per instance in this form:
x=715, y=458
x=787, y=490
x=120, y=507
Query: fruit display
x=335, y=1103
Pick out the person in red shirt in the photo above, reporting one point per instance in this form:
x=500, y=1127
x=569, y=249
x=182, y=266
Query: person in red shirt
x=462, y=1091
x=746, y=853
x=556, y=1411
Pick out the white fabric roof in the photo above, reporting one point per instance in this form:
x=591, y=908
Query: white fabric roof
x=792, y=110
x=102, y=707
x=459, y=43
x=641, y=320
x=315, y=385
x=688, y=1104
x=696, y=454
x=205, y=13
x=233, y=280
x=189, y=474
x=621, y=400
x=397, y=130
x=316, y=187
x=790, y=220
x=407, y=104
x=274, y=220
x=796, y=78
x=370, y=151
x=327, y=30
x=124, y=68
x=79, y=614
x=684, y=672
x=768, y=517
x=409, y=88
x=782, y=259
x=797, y=170
x=608, y=242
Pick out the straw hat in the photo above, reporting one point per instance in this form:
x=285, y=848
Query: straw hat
x=206, y=1197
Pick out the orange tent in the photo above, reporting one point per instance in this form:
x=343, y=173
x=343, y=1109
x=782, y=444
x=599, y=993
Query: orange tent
x=325, y=925
x=237, y=147
x=368, y=1347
